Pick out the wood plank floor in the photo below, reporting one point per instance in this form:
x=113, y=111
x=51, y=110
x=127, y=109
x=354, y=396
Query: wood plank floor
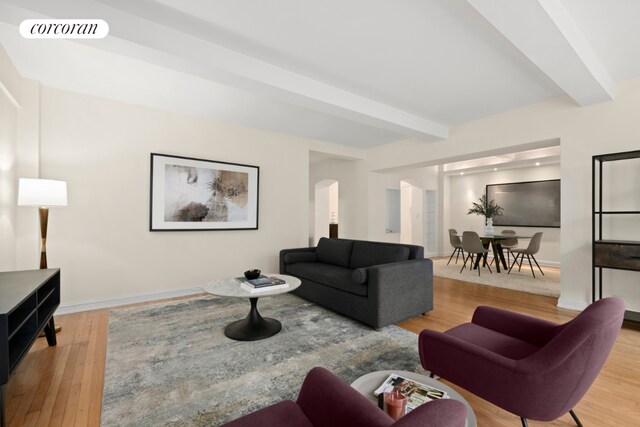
x=62, y=386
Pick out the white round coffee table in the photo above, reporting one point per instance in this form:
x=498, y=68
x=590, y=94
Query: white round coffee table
x=254, y=327
x=368, y=383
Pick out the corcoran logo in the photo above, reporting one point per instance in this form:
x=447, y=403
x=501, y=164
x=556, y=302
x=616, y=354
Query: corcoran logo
x=64, y=28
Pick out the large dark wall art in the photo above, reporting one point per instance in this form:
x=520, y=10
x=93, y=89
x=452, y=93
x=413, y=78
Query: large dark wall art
x=527, y=204
x=197, y=194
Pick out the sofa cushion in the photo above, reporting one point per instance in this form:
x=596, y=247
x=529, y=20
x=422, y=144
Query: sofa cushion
x=329, y=275
x=293, y=257
x=366, y=254
x=360, y=275
x=334, y=251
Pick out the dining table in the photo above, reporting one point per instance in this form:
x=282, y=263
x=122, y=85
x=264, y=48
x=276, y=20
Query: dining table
x=496, y=247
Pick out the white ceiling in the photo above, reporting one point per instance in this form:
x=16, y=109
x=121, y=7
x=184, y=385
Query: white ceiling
x=358, y=72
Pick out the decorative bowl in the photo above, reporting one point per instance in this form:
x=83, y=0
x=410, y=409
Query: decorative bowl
x=252, y=274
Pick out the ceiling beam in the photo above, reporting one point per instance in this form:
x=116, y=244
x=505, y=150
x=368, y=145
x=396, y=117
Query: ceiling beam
x=155, y=33
x=546, y=34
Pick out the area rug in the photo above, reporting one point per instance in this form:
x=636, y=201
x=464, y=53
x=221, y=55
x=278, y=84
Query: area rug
x=170, y=364
x=523, y=280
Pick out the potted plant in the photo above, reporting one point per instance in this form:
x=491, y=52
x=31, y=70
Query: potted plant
x=488, y=209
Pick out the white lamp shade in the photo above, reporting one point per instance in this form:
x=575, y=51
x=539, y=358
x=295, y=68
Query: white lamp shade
x=42, y=192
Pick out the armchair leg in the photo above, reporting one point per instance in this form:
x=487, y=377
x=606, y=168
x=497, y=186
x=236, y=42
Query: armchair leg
x=524, y=422
x=575, y=418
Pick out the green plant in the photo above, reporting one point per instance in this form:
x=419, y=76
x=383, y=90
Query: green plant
x=488, y=209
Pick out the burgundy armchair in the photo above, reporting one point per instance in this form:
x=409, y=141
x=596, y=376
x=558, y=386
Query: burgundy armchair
x=533, y=368
x=327, y=401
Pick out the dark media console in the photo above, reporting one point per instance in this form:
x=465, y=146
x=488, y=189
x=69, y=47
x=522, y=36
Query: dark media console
x=27, y=302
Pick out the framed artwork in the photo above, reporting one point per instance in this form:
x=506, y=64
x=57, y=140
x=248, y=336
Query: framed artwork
x=195, y=194
x=527, y=204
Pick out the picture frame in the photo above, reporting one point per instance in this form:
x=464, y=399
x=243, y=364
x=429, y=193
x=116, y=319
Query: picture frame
x=190, y=194
x=527, y=204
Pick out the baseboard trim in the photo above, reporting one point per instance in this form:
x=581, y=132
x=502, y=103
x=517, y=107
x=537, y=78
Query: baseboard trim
x=572, y=304
x=116, y=302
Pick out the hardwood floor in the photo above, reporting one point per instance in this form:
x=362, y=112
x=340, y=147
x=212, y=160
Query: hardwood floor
x=62, y=386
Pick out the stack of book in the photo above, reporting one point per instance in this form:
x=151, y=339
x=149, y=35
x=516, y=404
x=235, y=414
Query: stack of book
x=262, y=284
x=417, y=393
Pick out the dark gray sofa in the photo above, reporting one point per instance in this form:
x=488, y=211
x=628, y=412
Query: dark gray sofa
x=374, y=282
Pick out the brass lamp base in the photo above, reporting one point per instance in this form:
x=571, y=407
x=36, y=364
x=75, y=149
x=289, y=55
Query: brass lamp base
x=44, y=219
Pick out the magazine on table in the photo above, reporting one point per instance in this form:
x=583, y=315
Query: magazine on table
x=262, y=282
x=417, y=393
x=252, y=289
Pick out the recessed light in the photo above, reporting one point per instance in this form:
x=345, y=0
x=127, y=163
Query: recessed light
x=495, y=169
x=461, y=173
x=537, y=163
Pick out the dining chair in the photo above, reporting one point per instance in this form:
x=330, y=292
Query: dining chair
x=529, y=251
x=508, y=244
x=472, y=245
x=455, y=241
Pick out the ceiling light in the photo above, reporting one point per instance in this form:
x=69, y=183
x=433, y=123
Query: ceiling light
x=537, y=163
x=461, y=173
x=495, y=169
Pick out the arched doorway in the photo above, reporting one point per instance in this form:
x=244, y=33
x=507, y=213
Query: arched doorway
x=326, y=210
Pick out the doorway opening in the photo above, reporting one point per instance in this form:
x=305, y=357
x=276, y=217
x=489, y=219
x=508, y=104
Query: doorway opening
x=326, y=209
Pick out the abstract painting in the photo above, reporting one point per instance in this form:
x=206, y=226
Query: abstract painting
x=197, y=194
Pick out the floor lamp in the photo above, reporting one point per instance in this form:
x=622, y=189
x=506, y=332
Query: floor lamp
x=43, y=194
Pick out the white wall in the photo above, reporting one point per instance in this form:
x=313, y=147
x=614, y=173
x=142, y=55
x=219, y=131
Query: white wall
x=8, y=144
x=101, y=240
x=19, y=140
x=468, y=188
x=406, y=223
x=583, y=131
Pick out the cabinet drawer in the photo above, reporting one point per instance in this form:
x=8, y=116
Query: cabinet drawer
x=616, y=255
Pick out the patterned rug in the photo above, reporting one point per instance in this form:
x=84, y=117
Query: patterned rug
x=523, y=280
x=170, y=364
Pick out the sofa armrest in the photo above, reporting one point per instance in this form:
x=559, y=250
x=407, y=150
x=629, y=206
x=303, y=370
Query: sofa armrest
x=526, y=328
x=399, y=290
x=437, y=413
x=388, y=280
x=328, y=401
x=292, y=251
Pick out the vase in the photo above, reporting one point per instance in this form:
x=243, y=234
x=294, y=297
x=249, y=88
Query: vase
x=488, y=229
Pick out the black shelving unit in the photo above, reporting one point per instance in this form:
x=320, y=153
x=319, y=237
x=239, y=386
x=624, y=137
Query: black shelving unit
x=27, y=302
x=609, y=253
